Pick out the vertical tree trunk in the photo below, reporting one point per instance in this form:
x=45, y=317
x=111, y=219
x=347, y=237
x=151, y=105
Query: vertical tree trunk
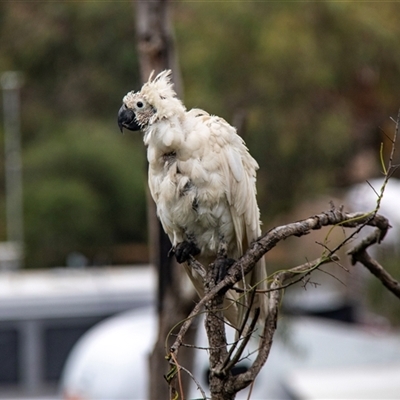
x=157, y=52
x=218, y=353
x=155, y=40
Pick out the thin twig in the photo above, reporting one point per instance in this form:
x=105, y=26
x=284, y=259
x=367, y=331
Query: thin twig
x=179, y=375
x=332, y=276
x=305, y=268
x=243, y=380
x=245, y=319
x=228, y=364
x=203, y=393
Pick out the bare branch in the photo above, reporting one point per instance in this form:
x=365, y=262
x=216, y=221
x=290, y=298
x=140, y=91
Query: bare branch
x=269, y=240
x=305, y=269
x=203, y=393
x=229, y=363
x=360, y=254
x=243, y=380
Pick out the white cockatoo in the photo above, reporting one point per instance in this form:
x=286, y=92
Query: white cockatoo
x=202, y=179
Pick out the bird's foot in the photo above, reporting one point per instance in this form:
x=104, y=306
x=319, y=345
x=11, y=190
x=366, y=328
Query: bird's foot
x=222, y=262
x=185, y=249
x=221, y=267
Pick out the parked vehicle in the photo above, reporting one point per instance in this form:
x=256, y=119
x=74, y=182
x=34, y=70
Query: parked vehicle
x=44, y=313
x=349, y=361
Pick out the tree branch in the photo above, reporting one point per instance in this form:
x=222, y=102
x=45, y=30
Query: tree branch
x=375, y=268
x=359, y=253
x=269, y=240
x=213, y=298
x=280, y=278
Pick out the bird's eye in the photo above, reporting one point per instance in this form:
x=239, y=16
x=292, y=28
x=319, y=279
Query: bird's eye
x=139, y=104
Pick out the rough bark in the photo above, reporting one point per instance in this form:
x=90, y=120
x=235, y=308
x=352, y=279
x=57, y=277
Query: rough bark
x=220, y=381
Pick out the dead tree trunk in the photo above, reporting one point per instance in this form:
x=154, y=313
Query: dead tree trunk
x=157, y=52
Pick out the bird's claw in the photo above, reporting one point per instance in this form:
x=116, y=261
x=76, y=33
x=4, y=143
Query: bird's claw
x=185, y=249
x=222, y=265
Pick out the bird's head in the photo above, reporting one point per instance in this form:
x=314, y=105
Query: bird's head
x=135, y=113
x=156, y=100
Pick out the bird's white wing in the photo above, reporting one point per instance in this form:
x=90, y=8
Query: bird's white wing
x=237, y=169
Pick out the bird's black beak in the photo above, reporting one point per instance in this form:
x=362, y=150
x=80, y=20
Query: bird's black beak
x=126, y=119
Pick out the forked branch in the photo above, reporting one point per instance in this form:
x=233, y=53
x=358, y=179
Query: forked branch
x=334, y=217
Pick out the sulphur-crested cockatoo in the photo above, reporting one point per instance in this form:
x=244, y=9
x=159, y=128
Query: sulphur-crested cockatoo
x=202, y=179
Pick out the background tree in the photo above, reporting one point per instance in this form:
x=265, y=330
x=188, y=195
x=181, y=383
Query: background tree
x=157, y=52
x=83, y=182
x=315, y=81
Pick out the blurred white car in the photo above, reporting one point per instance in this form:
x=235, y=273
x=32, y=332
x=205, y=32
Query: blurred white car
x=311, y=358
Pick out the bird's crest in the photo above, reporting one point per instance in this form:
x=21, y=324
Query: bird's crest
x=160, y=94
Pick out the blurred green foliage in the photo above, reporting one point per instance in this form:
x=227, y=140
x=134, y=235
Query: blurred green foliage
x=84, y=182
x=315, y=81
x=84, y=191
